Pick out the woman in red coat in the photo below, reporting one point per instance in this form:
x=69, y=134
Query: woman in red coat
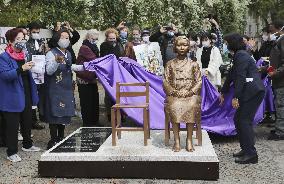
x=87, y=84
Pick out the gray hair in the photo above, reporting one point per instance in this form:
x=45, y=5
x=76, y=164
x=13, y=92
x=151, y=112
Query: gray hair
x=92, y=32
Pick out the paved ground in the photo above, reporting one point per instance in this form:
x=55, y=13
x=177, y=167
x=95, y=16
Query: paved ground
x=270, y=168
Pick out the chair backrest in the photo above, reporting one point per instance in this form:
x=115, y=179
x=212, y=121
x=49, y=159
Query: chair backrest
x=120, y=94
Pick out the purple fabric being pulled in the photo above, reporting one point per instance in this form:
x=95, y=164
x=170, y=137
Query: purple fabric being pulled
x=215, y=118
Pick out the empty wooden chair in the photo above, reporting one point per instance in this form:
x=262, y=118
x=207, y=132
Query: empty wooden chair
x=116, y=111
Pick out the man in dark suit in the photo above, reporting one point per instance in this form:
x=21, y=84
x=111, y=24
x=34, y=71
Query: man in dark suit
x=248, y=94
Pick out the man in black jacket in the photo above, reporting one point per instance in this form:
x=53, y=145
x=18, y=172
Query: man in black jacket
x=165, y=37
x=248, y=94
x=35, y=46
x=276, y=72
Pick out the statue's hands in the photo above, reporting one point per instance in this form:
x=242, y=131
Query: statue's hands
x=185, y=93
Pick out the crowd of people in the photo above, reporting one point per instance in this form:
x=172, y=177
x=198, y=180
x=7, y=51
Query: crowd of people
x=22, y=97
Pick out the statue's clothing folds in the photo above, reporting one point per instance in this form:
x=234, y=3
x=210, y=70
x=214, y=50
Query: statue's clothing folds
x=182, y=85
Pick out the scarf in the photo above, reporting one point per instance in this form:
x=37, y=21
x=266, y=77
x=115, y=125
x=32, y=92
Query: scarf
x=93, y=47
x=18, y=56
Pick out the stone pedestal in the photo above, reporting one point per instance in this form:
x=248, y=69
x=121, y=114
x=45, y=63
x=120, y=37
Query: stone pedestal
x=88, y=152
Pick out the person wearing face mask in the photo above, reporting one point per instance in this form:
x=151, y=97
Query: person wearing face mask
x=249, y=92
x=111, y=45
x=36, y=47
x=194, y=45
x=74, y=36
x=123, y=33
x=59, y=97
x=165, y=37
x=145, y=36
x=276, y=72
x=18, y=94
x=266, y=45
x=209, y=59
x=129, y=51
x=86, y=81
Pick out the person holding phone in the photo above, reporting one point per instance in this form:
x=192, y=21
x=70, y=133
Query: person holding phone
x=211, y=25
x=18, y=94
x=74, y=36
x=123, y=32
x=165, y=36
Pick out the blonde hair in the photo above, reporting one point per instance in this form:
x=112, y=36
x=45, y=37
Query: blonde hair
x=91, y=32
x=111, y=30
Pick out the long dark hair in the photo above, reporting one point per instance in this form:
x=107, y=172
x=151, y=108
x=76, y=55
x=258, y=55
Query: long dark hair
x=235, y=42
x=53, y=42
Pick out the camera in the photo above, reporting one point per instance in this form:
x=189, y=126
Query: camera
x=63, y=24
x=127, y=24
x=168, y=28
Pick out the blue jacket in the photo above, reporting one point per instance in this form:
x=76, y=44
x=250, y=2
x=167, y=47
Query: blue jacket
x=12, y=96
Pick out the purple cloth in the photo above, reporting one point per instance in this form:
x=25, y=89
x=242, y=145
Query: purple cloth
x=215, y=118
x=269, y=96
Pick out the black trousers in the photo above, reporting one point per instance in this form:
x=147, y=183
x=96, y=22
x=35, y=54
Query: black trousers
x=243, y=119
x=89, y=101
x=12, y=120
x=56, y=132
x=2, y=131
x=41, y=95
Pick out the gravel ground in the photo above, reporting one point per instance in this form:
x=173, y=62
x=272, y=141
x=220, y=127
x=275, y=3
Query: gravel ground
x=270, y=168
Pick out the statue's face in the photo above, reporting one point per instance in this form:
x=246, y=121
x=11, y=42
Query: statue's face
x=182, y=47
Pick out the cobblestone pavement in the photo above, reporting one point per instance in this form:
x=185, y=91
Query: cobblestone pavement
x=270, y=168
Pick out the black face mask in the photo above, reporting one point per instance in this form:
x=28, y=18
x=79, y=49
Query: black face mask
x=20, y=45
x=113, y=43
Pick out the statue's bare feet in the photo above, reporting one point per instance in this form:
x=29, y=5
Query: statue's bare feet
x=189, y=146
x=176, y=147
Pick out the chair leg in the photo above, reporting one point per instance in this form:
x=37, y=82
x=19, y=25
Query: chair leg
x=167, y=130
x=113, y=126
x=148, y=121
x=118, y=123
x=145, y=126
x=199, y=134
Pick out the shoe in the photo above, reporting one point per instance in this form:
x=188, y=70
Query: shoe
x=20, y=137
x=37, y=126
x=247, y=159
x=31, y=149
x=239, y=154
x=14, y=158
x=273, y=136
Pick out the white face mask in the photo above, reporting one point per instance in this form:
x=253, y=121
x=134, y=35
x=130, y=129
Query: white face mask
x=63, y=43
x=198, y=42
x=264, y=37
x=192, y=43
x=273, y=37
x=206, y=43
x=35, y=36
x=146, y=39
